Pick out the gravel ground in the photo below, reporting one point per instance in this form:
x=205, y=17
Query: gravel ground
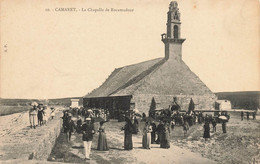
x=73, y=151
x=241, y=143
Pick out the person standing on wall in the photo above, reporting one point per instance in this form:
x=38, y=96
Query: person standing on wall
x=40, y=115
x=88, y=131
x=33, y=114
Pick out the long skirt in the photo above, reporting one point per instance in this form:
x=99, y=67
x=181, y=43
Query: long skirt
x=146, y=142
x=165, y=143
x=206, y=134
x=102, y=142
x=128, y=143
x=153, y=137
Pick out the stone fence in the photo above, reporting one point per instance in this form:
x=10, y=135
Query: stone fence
x=31, y=144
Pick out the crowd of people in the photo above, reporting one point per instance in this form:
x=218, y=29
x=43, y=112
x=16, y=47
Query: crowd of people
x=39, y=114
x=152, y=132
x=86, y=128
x=248, y=115
x=87, y=112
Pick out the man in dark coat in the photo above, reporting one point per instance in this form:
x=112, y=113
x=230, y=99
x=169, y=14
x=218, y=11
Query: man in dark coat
x=65, y=116
x=88, y=131
x=69, y=127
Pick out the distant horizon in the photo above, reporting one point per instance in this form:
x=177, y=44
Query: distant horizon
x=84, y=95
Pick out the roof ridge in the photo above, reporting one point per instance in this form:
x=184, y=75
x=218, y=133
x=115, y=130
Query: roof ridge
x=139, y=63
x=140, y=76
x=116, y=70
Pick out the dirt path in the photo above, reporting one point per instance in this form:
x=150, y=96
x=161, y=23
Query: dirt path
x=73, y=151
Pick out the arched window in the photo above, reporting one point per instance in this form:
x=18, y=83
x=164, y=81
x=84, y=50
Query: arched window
x=176, y=32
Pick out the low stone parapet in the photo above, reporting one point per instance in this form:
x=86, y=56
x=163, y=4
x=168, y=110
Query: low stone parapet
x=29, y=143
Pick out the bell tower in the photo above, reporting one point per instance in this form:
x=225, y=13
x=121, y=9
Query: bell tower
x=172, y=39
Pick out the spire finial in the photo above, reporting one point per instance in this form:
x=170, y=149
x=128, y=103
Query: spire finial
x=173, y=5
x=173, y=8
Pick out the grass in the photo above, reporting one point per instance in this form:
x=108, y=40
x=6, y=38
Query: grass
x=6, y=110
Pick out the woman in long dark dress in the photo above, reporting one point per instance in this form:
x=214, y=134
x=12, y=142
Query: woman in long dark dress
x=165, y=139
x=206, y=134
x=128, y=129
x=102, y=139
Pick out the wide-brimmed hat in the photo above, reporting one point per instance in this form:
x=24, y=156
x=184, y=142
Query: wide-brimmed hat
x=88, y=119
x=34, y=104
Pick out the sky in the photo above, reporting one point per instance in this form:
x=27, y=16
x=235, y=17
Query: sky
x=55, y=54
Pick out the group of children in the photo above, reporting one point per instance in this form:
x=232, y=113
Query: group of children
x=40, y=114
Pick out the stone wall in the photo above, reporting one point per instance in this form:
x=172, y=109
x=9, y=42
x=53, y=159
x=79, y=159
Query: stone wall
x=47, y=143
x=203, y=102
x=25, y=143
